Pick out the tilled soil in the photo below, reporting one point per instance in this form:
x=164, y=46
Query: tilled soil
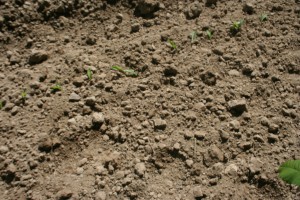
x=203, y=119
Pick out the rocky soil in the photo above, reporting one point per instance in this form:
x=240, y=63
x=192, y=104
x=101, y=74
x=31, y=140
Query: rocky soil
x=203, y=119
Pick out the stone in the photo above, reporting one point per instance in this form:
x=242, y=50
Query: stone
x=101, y=195
x=246, y=146
x=119, y=16
x=191, y=115
x=9, y=174
x=15, y=59
x=197, y=193
x=234, y=72
x=78, y=81
x=82, y=162
x=90, y=101
x=112, y=28
x=32, y=164
x=212, y=156
x=4, y=149
x=200, y=135
x=14, y=110
x=35, y=85
x=47, y=144
x=235, y=125
x=209, y=78
x=255, y=165
x=79, y=170
x=189, y=163
x=51, y=39
x=211, y=2
x=156, y=59
x=258, y=138
x=224, y=136
x=100, y=170
x=135, y=28
x=231, y=170
x=264, y=121
x=74, y=97
x=193, y=10
x=37, y=57
x=188, y=135
x=176, y=146
x=267, y=32
x=170, y=71
x=64, y=194
x=218, y=50
x=273, y=128
x=248, y=8
x=273, y=138
x=159, y=124
x=247, y=69
x=237, y=106
x=56, y=142
x=1, y=21
x=98, y=118
x=72, y=121
x=140, y=169
x=91, y=40
x=146, y=7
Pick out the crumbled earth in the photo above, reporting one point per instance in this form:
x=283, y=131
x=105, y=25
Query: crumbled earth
x=204, y=118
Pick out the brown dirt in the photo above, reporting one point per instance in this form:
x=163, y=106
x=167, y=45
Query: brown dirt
x=211, y=119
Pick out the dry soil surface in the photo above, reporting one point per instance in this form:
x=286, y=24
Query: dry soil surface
x=190, y=118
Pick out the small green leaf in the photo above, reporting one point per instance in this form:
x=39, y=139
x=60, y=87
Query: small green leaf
x=56, y=88
x=193, y=36
x=172, y=43
x=209, y=34
x=117, y=68
x=130, y=72
x=290, y=172
x=89, y=74
x=236, y=26
x=23, y=95
x=263, y=17
x=127, y=72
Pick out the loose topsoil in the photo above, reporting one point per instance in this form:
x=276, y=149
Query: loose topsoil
x=187, y=117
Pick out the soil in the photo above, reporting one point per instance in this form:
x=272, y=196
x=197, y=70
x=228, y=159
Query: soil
x=203, y=119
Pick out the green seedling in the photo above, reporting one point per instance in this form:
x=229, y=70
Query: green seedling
x=263, y=17
x=172, y=43
x=1, y=105
x=193, y=36
x=236, y=26
x=127, y=72
x=89, y=74
x=23, y=95
x=56, y=87
x=209, y=34
x=290, y=172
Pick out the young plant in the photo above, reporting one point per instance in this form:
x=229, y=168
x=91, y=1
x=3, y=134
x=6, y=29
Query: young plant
x=193, y=36
x=263, y=17
x=172, y=43
x=290, y=172
x=1, y=105
x=236, y=26
x=127, y=72
x=209, y=34
x=56, y=87
x=24, y=95
x=89, y=74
